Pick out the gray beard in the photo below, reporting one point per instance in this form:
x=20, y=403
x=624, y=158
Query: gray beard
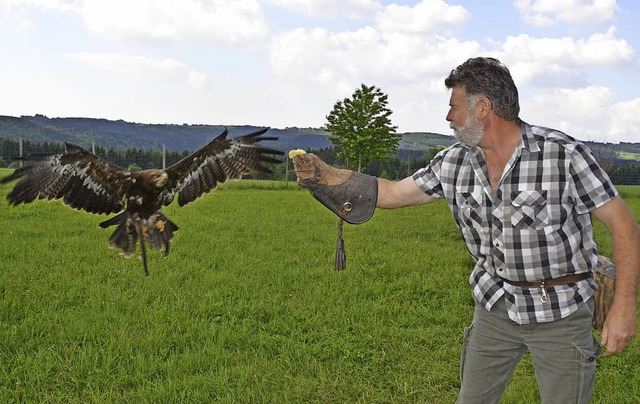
x=470, y=134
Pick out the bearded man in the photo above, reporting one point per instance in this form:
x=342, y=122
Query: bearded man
x=523, y=197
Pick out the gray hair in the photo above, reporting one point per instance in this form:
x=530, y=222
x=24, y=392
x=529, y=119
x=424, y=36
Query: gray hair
x=488, y=77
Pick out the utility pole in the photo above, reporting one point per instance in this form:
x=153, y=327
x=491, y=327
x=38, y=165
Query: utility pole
x=164, y=156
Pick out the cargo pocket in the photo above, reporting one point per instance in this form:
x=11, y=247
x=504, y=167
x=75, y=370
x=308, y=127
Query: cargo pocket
x=587, y=359
x=465, y=345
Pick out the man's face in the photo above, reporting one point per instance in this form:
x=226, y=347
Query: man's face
x=462, y=118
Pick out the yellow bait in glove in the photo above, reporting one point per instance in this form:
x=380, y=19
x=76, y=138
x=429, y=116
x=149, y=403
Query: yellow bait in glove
x=297, y=152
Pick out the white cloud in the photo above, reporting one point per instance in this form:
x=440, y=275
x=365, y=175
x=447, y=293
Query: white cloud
x=585, y=103
x=597, y=49
x=17, y=12
x=364, y=55
x=552, y=61
x=394, y=54
x=624, y=121
x=141, y=66
x=580, y=12
x=235, y=22
x=390, y=51
x=587, y=113
x=330, y=8
x=210, y=21
x=425, y=17
x=43, y=5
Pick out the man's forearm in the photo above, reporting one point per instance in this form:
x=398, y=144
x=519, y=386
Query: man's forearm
x=398, y=194
x=626, y=255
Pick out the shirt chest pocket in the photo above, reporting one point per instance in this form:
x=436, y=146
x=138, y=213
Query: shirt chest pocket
x=470, y=208
x=529, y=209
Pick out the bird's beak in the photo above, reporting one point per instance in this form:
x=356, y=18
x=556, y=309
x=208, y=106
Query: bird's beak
x=162, y=180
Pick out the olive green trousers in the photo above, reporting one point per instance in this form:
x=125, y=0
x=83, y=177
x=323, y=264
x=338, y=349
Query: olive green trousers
x=563, y=353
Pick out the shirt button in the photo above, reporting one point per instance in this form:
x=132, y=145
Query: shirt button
x=500, y=269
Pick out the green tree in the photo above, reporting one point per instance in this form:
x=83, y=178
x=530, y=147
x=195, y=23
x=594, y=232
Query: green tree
x=361, y=127
x=432, y=153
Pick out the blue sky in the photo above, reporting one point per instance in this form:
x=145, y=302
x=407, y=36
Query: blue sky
x=283, y=63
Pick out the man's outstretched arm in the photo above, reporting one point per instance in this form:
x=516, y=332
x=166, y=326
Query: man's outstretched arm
x=621, y=323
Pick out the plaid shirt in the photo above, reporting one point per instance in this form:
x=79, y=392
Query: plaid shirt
x=536, y=226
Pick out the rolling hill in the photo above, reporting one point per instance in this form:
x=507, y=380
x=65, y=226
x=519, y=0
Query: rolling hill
x=123, y=135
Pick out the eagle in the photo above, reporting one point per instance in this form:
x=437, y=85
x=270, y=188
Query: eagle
x=86, y=182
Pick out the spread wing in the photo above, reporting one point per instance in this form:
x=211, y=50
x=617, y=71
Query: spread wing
x=82, y=179
x=219, y=160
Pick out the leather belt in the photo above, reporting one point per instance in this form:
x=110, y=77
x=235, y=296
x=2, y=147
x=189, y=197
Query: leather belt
x=545, y=283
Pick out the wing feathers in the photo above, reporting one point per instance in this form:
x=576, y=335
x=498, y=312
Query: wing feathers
x=208, y=177
x=86, y=182
x=82, y=180
x=214, y=163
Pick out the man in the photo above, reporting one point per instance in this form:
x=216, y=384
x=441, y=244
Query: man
x=522, y=197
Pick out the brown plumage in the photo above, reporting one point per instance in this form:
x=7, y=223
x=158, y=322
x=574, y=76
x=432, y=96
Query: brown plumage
x=86, y=182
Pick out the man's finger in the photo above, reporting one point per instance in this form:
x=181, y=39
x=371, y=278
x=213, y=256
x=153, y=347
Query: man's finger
x=305, y=164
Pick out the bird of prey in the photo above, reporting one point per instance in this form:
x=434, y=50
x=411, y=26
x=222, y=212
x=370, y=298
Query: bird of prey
x=86, y=182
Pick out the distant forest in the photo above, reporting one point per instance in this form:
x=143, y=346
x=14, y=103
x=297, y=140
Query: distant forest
x=138, y=159
x=621, y=171
x=139, y=146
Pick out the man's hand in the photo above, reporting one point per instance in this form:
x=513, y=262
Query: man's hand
x=619, y=328
x=310, y=170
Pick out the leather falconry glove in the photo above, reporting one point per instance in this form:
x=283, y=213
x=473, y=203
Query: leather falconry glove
x=349, y=194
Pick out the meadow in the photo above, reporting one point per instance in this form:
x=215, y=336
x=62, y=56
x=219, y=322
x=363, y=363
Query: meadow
x=247, y=308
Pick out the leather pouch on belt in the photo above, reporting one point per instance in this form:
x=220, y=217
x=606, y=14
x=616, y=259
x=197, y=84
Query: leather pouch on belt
x=354, y=199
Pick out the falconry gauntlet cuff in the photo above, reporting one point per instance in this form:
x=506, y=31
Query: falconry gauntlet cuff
x=353, y=199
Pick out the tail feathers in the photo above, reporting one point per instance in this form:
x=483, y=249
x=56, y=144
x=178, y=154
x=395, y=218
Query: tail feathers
x=119, y=220
x=125, y=237
x=157, y=230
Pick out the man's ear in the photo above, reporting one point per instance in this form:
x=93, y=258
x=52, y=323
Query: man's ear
x=484, y=106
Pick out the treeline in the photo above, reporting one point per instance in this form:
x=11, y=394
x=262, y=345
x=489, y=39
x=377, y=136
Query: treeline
x=622, y=172
x=135, y=158
x=623, y=147
x=393, y=169
x=626, y=175
x=130, y=158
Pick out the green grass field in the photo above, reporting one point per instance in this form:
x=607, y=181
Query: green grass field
x=629, y=156
x=247, y=307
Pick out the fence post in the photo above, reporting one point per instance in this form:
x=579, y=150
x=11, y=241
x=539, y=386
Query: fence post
x=286, y=170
